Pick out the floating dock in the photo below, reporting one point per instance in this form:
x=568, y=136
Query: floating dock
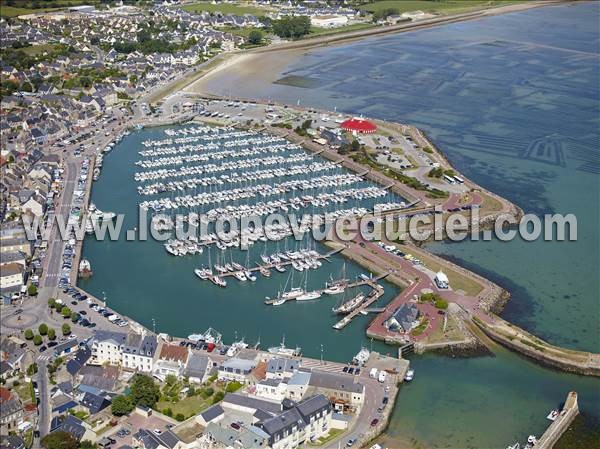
x=373, y=296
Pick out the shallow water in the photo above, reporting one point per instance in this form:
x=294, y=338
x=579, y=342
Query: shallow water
x=513, y=101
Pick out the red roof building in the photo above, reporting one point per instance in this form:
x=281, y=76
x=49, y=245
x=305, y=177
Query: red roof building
x=359, y=125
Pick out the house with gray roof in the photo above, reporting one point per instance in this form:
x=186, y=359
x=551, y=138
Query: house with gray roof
x=236, y=369
x=198, y=368
x=341, y=389
x=301, y=423
x=147, y=439
x=281, y=368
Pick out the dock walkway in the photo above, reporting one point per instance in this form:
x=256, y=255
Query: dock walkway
x=373, y=296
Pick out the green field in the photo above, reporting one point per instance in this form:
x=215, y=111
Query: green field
x=11, y=11
x=35, y=50
x=317, y=31
x=437, y=6
x=225, y=8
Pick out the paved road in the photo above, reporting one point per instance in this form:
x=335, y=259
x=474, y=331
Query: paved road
x=44, y=409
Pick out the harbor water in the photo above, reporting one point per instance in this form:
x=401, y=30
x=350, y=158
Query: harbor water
x=512, y=100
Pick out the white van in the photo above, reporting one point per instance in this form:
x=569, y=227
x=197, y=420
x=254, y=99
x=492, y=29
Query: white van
x=382, y=376
x=373, y=373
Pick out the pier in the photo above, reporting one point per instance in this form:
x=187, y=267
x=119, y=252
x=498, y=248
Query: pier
x=373, y=296
x=372, y=282
x=560, y=424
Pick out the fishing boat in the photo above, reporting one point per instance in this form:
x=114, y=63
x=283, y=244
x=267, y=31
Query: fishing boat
x=283, y=351
x=361, y=357
x=349, y=305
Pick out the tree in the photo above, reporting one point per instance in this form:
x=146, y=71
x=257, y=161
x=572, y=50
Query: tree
x=60, y=440
x=144, y=391
x=121, y=405
x=28, y=334
x=66, y=329
x=51, y=334
x=255, y=37
x=218, y=397
x=51, y=302
x=74, y=317
x=37, y=340
x=32, y=369
x=32, y=290
x=43, y=329
x=87, y=444
x=180, y=417
x=292, y=26
x=65, y=311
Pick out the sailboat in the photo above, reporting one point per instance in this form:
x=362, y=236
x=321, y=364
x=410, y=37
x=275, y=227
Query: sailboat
x=338, y=286
x=307, y=296
x=350, y=305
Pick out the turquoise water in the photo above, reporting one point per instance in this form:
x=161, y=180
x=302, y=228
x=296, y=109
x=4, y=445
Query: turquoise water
x=513, y=100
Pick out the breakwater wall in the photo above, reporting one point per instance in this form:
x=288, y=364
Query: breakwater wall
x=517, y=339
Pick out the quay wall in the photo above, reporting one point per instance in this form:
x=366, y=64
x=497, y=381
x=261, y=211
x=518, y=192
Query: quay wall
x=561, y=424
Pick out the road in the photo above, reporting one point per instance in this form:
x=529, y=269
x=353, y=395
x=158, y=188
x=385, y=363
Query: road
x=44, y=410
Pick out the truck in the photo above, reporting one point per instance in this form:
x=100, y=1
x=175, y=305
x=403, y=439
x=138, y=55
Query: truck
x=382, y=376
x=373, y=373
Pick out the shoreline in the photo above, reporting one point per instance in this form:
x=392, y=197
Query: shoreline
x=278, y=56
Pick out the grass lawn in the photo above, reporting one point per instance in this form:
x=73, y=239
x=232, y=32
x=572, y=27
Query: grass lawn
x=225, y=8
x=244, y=32
x=439, y=7
x=318, y=31
x=333, y=433
x=187, y=406
x=35, y=50
x=458, y=281
x=11, y=11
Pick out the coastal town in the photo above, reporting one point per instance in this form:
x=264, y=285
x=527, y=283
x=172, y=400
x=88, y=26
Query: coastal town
x=77, y=84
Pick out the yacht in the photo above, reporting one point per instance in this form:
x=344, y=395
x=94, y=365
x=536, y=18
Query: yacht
x=553, y=415
x=334, y=289
x=309, y=295
x=410, y=374
x=219, y=281
x=278, y=302
x=293, y=293
x=250, y=276
x=240, y=276
x=203, y=273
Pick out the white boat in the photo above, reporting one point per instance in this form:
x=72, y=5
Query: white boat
x=278, y=302
x=514, y=446
x=203, y=273
x=218, y=281
x=85, y=268
x=362, y=357
x=89, y=227
x=334, y=289
x=410, y=374
x=553, y=415
x=307, y=296
x=531, y=440
x=282, y=350
x=240, y=276
x=250, y=276
x=294, y=293
x=350, y=305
